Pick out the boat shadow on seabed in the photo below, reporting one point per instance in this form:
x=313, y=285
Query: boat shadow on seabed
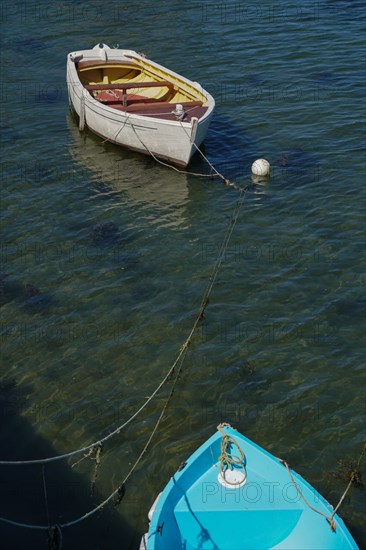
x=115, y=172
x=68, y=492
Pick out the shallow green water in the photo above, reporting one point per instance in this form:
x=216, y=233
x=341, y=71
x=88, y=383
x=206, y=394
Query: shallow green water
x=281, y=349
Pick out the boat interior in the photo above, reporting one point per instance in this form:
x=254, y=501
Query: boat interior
x=133, y=88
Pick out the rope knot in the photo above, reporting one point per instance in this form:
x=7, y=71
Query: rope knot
x=54, y=538
x=332, y=524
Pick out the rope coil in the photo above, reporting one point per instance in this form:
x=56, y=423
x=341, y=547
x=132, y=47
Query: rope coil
x=227, y=459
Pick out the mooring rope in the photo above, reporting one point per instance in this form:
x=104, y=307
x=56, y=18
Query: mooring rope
x=197, y=174
x=93, y=446
x=227, y=460
x=354, y=476
x=55, y=530
x=329, y=518
x=97, y=444
x=213, y=168
x=45, y=495
x=159, y=161
x=55, y=538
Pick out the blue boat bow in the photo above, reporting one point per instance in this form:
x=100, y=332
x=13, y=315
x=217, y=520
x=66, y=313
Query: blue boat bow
x=224, y=500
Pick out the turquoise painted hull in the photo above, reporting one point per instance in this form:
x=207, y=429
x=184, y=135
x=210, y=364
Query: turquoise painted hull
x=195, y=511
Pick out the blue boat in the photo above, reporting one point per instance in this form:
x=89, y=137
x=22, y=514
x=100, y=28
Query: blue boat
x=233, y=495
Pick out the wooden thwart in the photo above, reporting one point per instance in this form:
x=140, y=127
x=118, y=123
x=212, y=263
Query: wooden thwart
x=129, y=85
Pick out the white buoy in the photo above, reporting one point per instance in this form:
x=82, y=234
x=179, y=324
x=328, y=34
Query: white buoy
x=261, y=167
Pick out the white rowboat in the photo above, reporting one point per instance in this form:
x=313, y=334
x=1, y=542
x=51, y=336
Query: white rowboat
x=129, y=100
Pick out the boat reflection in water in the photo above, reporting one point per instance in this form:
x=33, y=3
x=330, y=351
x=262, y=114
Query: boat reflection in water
x=121, y=174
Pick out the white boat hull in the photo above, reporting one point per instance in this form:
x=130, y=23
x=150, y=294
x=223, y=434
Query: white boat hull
x=171, y=140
